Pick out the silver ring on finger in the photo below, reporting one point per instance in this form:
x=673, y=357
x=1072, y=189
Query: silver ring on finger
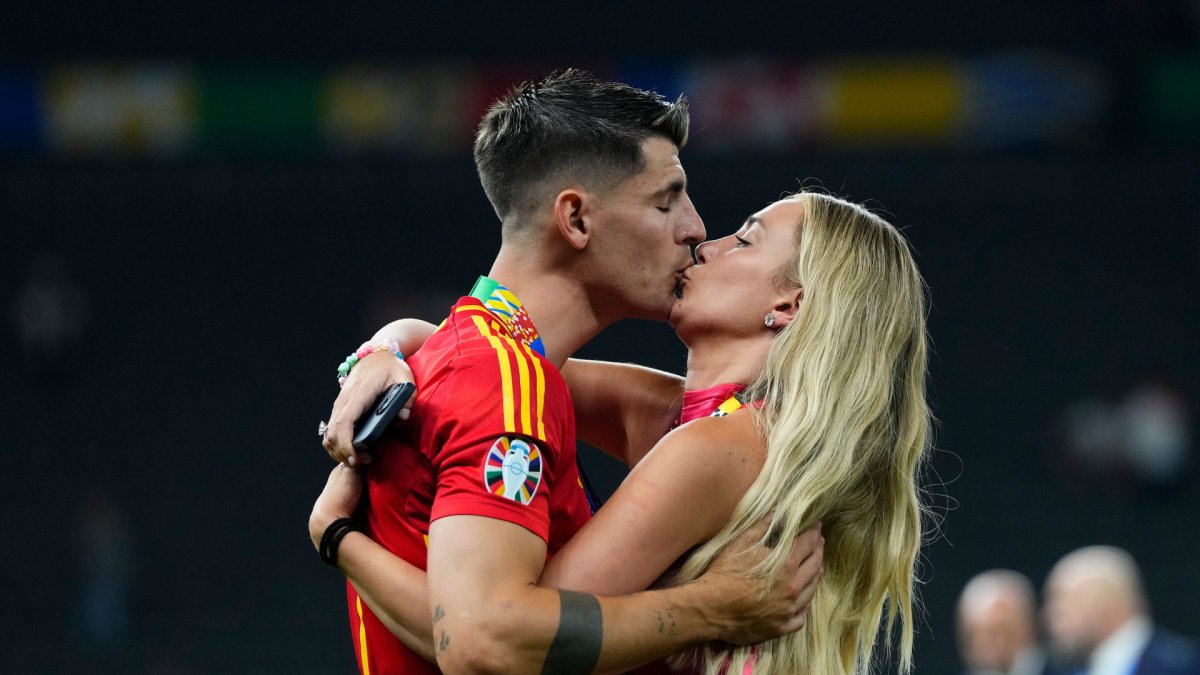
x=322, y=428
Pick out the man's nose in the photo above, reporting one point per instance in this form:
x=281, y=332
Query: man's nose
x=691, y=228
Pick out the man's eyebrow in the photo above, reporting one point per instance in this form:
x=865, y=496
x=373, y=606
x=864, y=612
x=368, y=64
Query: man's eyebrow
x=677, y=186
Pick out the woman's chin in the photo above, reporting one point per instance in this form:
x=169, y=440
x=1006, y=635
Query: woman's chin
x=674, y=314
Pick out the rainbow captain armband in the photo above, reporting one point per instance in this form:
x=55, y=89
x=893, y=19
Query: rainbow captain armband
x=368, y=347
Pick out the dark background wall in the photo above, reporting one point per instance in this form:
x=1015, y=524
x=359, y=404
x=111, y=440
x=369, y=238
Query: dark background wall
x=222, y=288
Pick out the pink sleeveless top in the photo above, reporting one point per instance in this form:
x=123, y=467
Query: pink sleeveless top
x=704, y=402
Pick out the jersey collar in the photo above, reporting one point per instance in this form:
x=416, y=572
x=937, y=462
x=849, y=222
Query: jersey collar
x=505, y=306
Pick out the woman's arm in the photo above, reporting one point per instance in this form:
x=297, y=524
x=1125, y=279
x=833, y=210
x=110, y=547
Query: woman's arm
x=371, y=376
x=410, y=334
x=677, y=497
x=396, y=591
x=622, y=408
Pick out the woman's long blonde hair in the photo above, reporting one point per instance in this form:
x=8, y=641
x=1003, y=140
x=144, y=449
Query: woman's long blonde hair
x=847, y=426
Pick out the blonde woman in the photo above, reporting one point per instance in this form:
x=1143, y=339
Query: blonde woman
x=804, y=401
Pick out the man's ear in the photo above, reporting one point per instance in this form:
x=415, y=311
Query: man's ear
x=570, y=217
x=786, y=307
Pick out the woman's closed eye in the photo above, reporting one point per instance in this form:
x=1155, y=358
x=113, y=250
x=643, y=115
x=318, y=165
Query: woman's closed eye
x=741, y=242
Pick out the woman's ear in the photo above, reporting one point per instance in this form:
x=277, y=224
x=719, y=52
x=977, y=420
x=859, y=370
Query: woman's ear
x=786, y=307
x=570, y=207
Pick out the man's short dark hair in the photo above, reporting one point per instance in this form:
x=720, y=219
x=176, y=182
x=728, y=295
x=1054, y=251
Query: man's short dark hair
x=570, y=125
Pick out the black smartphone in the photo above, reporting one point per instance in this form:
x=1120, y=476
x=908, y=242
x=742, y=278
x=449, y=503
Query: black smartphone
x=370, y=427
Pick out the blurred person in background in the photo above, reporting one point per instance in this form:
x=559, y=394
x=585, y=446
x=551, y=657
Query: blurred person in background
x=1099, y=622
x=50, y=314
x=103, y=613
x=997, y=626
x=1143, y=438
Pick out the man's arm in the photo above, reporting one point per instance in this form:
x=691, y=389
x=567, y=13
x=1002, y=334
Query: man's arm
x=397, y=592
x=622, y=408
x=491, y=617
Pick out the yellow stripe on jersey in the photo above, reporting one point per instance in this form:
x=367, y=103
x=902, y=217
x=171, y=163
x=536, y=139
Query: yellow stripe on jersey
x=522, y=360
x=730, y=404
x=541, y=388
x=521, y=395
x=362, y=637
x=533, y=425
x=477, y=311
x=541, y=394
x=506, y=383
x=532, y=414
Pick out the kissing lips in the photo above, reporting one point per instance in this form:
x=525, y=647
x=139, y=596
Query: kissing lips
x=681, y=280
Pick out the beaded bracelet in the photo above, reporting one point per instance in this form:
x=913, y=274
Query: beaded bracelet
x=368, y=347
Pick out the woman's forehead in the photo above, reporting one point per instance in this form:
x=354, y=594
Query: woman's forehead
x=784, y=213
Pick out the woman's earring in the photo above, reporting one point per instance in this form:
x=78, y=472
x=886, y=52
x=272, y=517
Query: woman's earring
x=769, y=320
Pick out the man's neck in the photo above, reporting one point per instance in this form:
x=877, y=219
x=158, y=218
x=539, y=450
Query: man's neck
x=713, y=361
x=557, y=302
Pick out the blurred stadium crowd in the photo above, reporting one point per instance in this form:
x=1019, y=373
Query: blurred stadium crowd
x=1010, y=98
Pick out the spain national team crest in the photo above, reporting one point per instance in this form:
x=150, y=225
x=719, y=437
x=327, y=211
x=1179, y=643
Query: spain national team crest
x=513, y=469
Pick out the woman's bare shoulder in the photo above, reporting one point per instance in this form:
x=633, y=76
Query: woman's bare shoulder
x=727, y=450
x=737, y=429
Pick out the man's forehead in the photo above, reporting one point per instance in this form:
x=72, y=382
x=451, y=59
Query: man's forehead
x=661, y=155
x=661, y=172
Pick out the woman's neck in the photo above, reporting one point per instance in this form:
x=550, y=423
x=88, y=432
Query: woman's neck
x=725, y=361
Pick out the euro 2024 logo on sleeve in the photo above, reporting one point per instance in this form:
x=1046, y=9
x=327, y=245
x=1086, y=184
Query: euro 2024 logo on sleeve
x=513, y=469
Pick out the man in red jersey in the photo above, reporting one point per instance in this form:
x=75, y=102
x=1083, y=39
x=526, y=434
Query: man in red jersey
x=481, y=484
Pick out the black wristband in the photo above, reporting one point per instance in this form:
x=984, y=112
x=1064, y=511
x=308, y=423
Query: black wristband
x=333, y=536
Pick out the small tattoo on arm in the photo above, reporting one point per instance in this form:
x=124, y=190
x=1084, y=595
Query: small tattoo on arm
x=443, y=642
x=438, y=614
x=666, y=621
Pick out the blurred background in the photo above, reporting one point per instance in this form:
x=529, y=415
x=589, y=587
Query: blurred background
x=206, y=206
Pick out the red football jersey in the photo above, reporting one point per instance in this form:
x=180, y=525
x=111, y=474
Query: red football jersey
x=492, y=434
